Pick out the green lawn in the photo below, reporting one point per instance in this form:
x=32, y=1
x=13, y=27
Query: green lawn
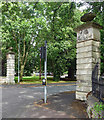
x=35, y=80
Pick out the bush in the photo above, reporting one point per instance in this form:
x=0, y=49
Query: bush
x=98, y=108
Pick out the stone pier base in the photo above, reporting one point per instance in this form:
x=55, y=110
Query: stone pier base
x=10, y=68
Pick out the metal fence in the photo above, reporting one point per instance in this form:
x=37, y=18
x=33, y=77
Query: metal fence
x=97, y=84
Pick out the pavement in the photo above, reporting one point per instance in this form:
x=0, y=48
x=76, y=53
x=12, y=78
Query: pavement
x=66, y=104
x=26, y=101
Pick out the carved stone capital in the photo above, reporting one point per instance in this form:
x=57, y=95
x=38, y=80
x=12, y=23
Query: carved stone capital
x=88, y=34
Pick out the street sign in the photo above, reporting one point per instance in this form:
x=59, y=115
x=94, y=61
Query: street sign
x=43, y=52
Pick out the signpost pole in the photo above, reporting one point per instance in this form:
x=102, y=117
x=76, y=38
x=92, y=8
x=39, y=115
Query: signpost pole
x=19, y=61
x=40, y=66
x=45, y=71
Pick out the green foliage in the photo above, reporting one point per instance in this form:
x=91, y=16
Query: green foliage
x=98, y=108
x=20, y=22
x=34, y=22
x=61, y=48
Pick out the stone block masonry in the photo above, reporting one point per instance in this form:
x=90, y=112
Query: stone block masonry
x=10, y=67
x=88, y=54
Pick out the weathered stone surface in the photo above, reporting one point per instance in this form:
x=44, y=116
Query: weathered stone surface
x=10, y=61
x=88, y=43
x=84, y=72
x=10, y=65
x=87, y=26
x=94, y=55
x=95, y=48
x=84, y=49
x=83, y=77
x=84, y=55
x=81, y=95
x=84, y=66
x=10, y=68
x=84, y=88
x=83, y=44
x=84, y=60
x=88, y=49
x=96, y=43
x=84, y=82
x=2, y=79
x=88, y=54
x=87, y=60
x=88, y=34
x=10, y=57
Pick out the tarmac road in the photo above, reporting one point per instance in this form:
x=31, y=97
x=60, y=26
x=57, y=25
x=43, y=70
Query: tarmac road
x=18, y=100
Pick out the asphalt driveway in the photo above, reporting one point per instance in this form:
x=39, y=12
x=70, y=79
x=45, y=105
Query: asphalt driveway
x=18, y=101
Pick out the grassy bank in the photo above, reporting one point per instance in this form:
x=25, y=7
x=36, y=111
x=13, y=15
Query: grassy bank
x=35, y=80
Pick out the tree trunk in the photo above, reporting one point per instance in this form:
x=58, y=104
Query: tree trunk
x=21, y=72
x=23, y=60
x=56, y=76
x=71, y=73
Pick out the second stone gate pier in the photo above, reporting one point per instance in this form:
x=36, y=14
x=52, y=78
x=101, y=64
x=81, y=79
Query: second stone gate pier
x=88, y=54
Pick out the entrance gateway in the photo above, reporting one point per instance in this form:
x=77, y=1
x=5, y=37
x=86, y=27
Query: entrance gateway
x=88, y=54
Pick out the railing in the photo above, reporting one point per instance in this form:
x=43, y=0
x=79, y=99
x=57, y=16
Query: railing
x=97, y=84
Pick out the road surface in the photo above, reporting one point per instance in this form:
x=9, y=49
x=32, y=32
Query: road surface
x=18, y=102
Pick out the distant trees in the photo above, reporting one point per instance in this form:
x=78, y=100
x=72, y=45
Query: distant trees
x=34, y=22
x=20, y=23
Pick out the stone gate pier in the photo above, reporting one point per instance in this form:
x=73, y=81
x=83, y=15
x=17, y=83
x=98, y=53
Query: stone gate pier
x=10, y=67
x=88, y=54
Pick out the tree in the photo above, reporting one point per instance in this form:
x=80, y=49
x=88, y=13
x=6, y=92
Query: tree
x=63, y=18
x=19, y=24
x=32, y=23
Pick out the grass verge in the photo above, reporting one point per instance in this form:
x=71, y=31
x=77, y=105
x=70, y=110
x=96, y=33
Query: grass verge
x=35, y=80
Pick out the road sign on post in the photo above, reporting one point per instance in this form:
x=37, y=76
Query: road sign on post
x=43, y=52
